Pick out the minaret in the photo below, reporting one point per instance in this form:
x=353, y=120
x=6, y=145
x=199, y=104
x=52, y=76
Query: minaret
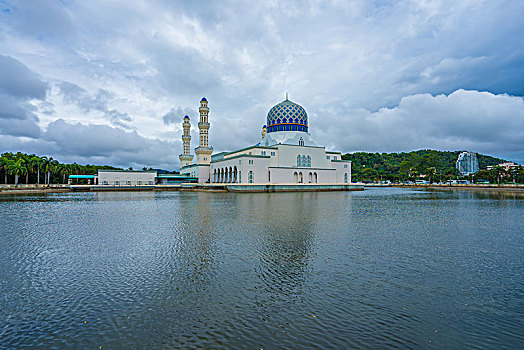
x=264, y=132
x=203, y=151
x=186, y=157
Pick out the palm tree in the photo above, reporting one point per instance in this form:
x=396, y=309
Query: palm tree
x=47, y=169
x=40, y=167
x=499, y=171
x=64, y=169
x=51, y=168
x=31, y=165
x=3, y=163
x=16, y=168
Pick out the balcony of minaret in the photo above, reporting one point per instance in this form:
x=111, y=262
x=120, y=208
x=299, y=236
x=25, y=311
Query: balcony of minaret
x=186, y=137
x=200, y=149
x=203, y=125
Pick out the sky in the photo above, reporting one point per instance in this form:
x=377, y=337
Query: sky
x=108, y=82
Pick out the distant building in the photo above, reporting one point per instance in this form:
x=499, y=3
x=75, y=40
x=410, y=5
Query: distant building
x=125, y=178
x=467, y=163
x=506, y=166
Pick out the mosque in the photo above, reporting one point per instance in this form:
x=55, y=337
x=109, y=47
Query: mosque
x=286, y=154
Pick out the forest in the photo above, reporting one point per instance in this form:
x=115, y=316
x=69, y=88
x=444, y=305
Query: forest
x=24, y=168
x=434, y=166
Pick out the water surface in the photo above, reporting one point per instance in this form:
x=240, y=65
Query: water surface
x=375, y=269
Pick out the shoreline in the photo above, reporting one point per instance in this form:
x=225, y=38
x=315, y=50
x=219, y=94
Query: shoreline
x=506, y=188
x=246, y=188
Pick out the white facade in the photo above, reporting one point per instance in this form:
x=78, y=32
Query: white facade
x=125, y=178
x=287, y=154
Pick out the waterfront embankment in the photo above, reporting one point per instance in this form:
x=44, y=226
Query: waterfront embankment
x=33, y=188
x=62, y=188
x=486, y=187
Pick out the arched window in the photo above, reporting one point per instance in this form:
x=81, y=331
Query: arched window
x=301, y=141
x=296, y=177
x=315, y=177
x=300, y=178
x=299, y=161
x=346, y=177
x=310, y=177
x=250, y=176
x=304, y=161
x=309, y=161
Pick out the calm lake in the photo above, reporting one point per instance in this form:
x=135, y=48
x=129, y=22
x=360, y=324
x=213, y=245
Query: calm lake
x=381, y=268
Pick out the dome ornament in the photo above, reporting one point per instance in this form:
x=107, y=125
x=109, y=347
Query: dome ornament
x=287, y=96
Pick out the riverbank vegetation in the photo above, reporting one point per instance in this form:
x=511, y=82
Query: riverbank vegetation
x=24, y=168
x=431, y=165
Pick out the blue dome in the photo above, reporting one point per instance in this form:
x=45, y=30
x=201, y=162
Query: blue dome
x=186, y=117
x=203, y=99
x=287, y=116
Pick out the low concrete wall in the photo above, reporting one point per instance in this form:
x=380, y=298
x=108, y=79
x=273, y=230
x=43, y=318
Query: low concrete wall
x=292, y=187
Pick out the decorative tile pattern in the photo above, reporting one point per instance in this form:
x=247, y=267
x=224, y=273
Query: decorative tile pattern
x=286, y=112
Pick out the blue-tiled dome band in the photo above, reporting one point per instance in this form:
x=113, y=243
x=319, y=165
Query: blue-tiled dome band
x=287, y=127
x=287, y=116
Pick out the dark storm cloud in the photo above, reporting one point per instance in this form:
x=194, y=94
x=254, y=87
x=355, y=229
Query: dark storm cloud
x=20, y=82
x=19, y=85
x=114, y=145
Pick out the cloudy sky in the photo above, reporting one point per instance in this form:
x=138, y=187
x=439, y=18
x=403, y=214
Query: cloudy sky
x=108, y=82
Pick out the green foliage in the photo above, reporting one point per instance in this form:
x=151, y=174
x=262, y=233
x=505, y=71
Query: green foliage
x=407, y=166
x=41, y=169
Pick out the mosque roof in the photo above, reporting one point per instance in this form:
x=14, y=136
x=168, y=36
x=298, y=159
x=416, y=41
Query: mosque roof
x=287, y=113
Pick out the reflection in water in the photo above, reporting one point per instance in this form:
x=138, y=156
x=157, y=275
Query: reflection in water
x=374, y=269
x=285, y=240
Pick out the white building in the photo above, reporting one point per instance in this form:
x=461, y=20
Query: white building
x=287, y=153
x=467, y=163
x=125, y=178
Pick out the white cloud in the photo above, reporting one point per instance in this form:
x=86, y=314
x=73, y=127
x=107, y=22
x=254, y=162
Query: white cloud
x=463, y=120
x=344, y=61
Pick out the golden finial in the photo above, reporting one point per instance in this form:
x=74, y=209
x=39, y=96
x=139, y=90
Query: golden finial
x=287, y=96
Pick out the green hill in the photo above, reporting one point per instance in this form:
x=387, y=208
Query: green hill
x=409, y=165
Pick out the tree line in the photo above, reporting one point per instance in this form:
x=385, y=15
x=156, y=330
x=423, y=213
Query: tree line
x=431, y=165
x=19, y=167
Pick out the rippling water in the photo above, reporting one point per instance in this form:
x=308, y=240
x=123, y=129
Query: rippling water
x=375, y=269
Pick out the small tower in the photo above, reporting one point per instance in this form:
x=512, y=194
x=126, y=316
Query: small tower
x=203, y=151
x=264, y=132
x=186, y=157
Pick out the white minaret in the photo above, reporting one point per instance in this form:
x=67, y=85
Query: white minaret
x=186, y=157
x=203, y=151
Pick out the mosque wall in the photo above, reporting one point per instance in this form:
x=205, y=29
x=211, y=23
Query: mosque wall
x=288, y=156
x=301, y=175
x=343, y=170
x=237, y=169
